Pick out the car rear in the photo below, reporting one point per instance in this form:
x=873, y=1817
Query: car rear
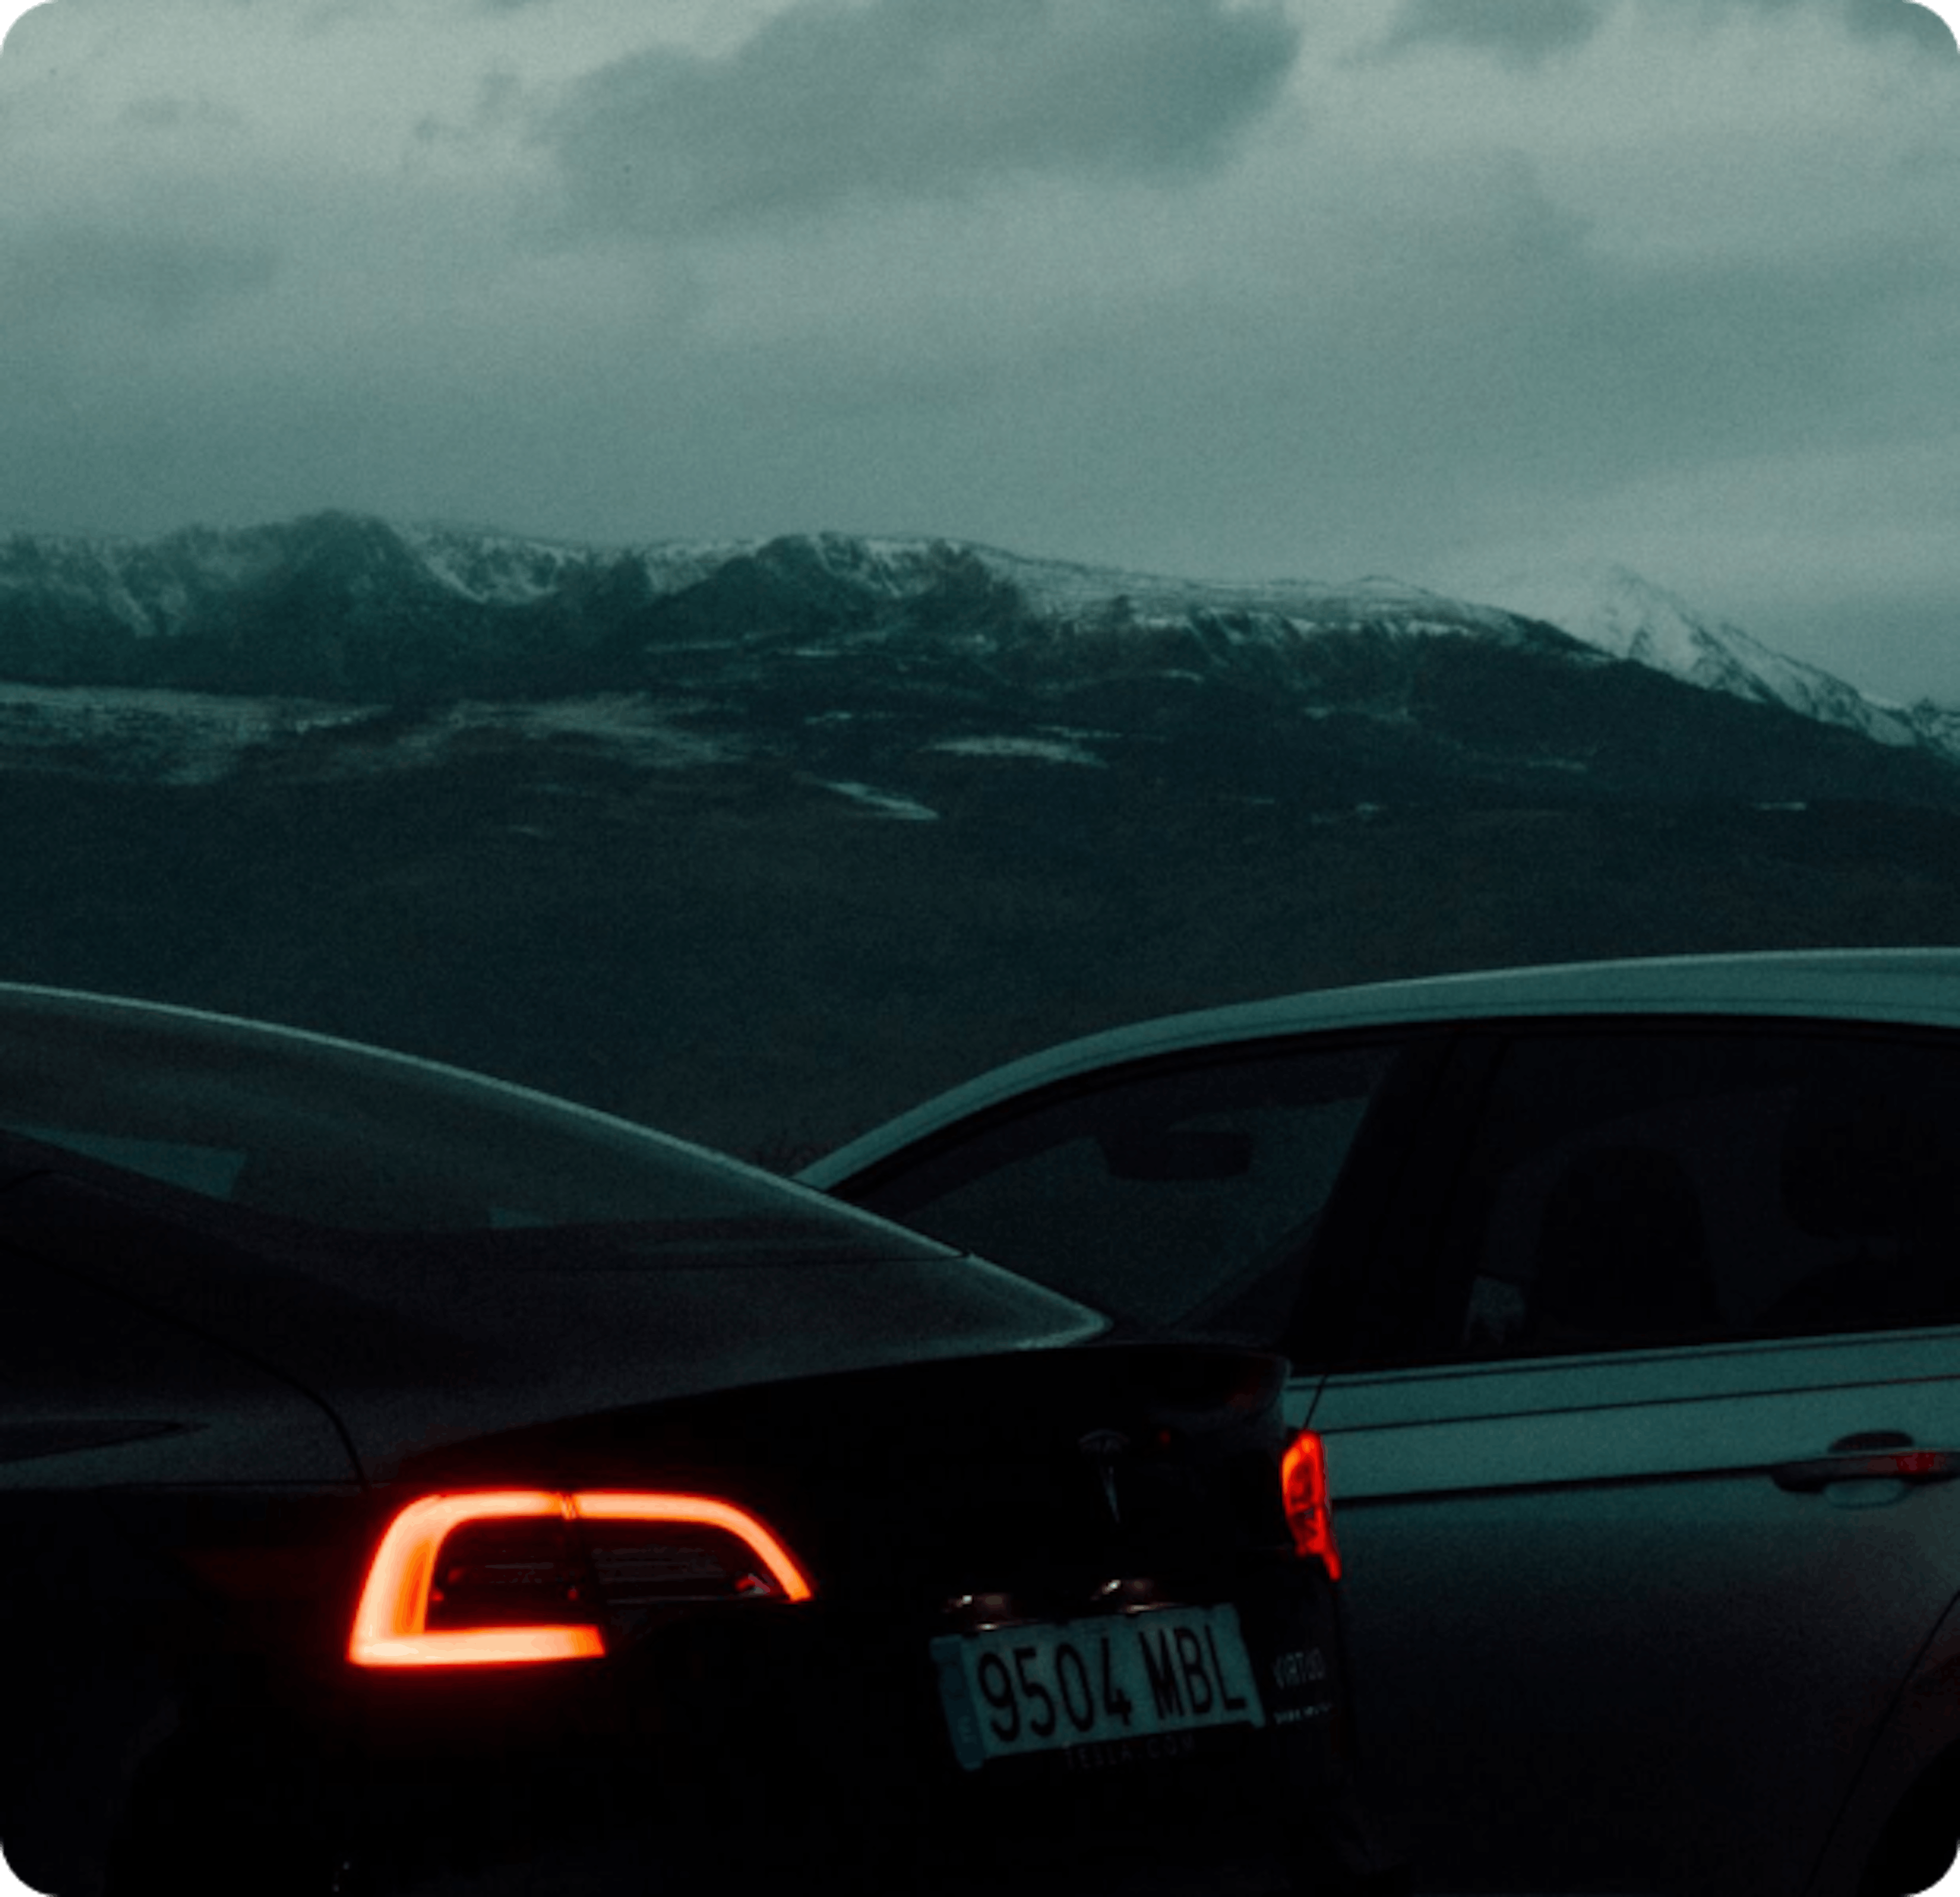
x=598, y=1514
x=1064, y=1617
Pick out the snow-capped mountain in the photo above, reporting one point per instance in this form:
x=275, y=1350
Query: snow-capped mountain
x=1613, y=608
x=339, y=643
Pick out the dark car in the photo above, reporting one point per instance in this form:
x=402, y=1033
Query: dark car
x=1625, y=1298
x=407, y=1480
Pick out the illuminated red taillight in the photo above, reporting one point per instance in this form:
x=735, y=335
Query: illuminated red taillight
x=1303, y=1486
x=500, y=1577
x=725, y=1553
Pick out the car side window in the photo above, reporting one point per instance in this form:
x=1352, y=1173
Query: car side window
x=1633, y=1188
x=1181, y=1195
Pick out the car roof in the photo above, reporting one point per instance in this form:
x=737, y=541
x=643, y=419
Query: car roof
x=1920, y=986
x=413, y=1335
x=123, y=1060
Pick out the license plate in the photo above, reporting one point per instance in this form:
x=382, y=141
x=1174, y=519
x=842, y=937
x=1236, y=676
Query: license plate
x=1051, y=1686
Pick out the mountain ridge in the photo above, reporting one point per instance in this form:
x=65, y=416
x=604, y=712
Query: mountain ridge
x=160, y=587
x=341, y=618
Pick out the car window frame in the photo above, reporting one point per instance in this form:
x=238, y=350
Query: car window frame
x=1312, y=1334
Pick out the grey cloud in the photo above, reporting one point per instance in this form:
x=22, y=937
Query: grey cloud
x=1871, y=19
x=914, y=98
x=52, y=272
x=165, y=112
x=1396, y=392
x=1523, y=33
x=158, y=114
x=1520, y=32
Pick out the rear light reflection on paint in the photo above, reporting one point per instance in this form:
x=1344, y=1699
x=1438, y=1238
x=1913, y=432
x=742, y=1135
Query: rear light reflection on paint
x=1309, y=1513
x=501, y=1577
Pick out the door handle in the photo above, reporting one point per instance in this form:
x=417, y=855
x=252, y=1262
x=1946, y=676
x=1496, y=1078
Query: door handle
x=1885, y=1466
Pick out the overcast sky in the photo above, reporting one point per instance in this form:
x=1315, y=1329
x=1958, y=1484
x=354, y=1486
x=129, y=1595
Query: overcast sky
x=1451, y=290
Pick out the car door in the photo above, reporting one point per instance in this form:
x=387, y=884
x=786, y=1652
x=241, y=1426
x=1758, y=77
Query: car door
x=1630, y=1443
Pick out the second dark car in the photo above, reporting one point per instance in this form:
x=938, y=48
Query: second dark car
x=1623, y=1298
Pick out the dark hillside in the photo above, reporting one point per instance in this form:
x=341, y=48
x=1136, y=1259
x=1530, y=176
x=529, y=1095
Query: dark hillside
x=745, y=958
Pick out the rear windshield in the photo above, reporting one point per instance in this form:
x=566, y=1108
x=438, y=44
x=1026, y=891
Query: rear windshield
x=301, y=1128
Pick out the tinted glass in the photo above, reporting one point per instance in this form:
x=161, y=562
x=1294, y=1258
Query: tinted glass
x=1184, y=1197
x=1630, y=1190
x=337, y=1135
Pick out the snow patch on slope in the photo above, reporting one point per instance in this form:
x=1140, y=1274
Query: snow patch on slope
x=1047, y=750
x=1064, y=589
x=170, y=738
x=886, y=803
x=633, y=730
x=194, y=738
